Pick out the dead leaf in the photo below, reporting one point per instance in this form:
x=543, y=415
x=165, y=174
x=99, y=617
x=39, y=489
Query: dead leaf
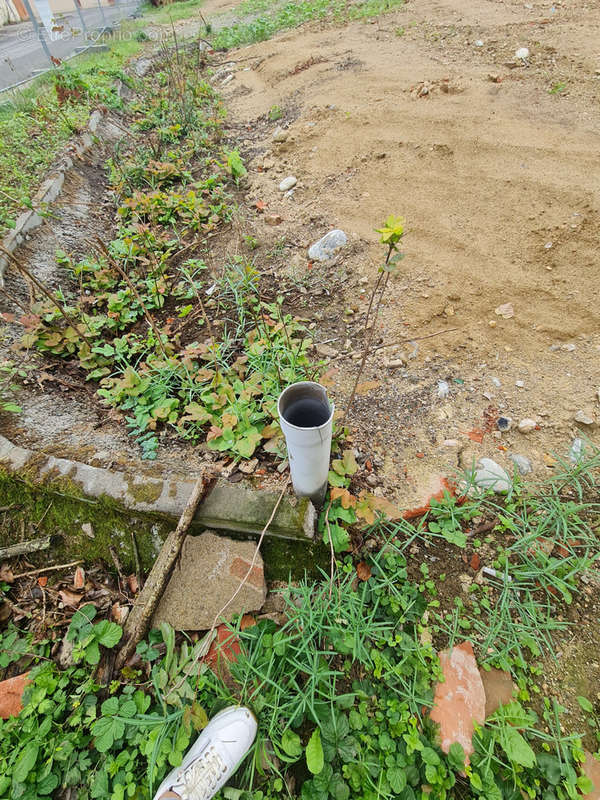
x=70, y=598
x=363, y=570
x=213, y=433
x=260, y=205
x=506, y=311
x=247, y=621
x=6, y=574
x=347, y=500
x=119, y=613
x=133, y=584
x=367, y=386
x=475, y=561
x=79, y=578
x=43, y=581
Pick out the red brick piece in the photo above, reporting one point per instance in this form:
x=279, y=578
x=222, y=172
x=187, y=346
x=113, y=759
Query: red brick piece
x=11, y=692
x=459, y=702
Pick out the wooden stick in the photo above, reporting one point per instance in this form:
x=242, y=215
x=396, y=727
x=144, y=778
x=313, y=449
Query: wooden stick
x=139, y=619
x=21, y=548
x=47, y=569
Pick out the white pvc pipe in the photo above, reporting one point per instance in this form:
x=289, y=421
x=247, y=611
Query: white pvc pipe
x=306, y=419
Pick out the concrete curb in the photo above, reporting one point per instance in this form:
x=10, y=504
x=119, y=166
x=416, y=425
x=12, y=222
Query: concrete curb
x=48, y=192
x=233, y=507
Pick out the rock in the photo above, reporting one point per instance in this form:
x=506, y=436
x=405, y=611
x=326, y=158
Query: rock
x=479, y=43
x=279, y=134
x=583, y=418
x=489, y=475
x=273, y=219
x=577, y=451
x=443, y=389
x=527, y=425
x=211, y=570
x=592, y=769
x=567, y=348
x=372, y=480
x=287, y=183
x=520, y=384
x=522, y=464
x=248, y=467
x=459, y=702
x=506, y=311
x=394, y=363
x=326, y=351
x=522, y=53
x=11, y=692
x=504, y=423
x=326, y=247
x=88, y=529
x=498, y=686
x=142, y=66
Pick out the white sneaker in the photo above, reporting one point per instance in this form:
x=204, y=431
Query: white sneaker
x=214, y=756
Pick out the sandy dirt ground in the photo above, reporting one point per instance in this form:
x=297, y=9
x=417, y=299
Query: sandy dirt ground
x=493, y=161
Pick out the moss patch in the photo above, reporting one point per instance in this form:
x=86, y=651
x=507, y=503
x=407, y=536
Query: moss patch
x=58, y=509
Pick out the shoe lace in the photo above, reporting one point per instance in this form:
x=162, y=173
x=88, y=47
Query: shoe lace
x=199, y=780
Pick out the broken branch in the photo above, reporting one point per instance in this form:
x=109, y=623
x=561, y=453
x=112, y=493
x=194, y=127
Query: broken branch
x=138, y=621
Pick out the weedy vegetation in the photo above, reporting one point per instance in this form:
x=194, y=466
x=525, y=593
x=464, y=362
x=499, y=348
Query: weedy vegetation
x=342, y=686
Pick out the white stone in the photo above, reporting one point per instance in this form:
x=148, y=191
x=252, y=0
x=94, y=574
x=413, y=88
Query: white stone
x=522, y=52
x=527, y=425
x=583, y=418
x=522, y=464
x=326, y=248
x=279, y=135
x=489, y=475
x=287, y=183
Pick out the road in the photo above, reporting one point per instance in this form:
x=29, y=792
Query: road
x=21, y=53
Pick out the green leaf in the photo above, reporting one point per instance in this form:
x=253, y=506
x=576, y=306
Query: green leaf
x=454, y=536
x=128, y=709
x=338, y=788
x=396, y=778
x=108, y=633
x=334, y=479
x=110, y=707
x=515, y=747
x=339, y=536
x=349, y=462
x=584, y=784
x=48, y=784
x=290, y=743
x=26, y=762
x=456, y=757
x=549, y=766
x=585, y=704
x=345, y=514
x=92, y=653
x=314, y=753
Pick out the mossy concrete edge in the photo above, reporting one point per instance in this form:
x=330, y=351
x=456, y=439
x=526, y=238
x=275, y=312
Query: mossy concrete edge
x=232, y=507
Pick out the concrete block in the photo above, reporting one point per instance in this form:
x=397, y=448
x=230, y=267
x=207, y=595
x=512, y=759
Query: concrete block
x=209, y=573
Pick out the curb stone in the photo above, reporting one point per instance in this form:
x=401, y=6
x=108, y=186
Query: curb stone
x=234, y=507
x=48, y=192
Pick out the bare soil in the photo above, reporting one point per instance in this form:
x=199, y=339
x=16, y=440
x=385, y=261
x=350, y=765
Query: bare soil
x=499, y=181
